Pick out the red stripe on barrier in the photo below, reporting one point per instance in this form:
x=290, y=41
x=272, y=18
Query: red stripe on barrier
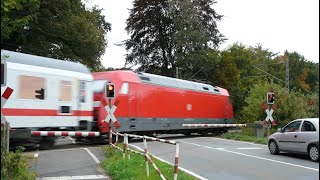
x=176, y=161
x=91, y=134
x=36, y=133
x=52, y=134
x=78, y=134
x=7, y=93
x=104, y=102
x=64, y=134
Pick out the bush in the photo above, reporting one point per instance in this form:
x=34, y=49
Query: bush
x=14, y=165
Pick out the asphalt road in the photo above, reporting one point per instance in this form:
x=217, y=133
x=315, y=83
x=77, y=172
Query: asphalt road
x=68, y=161
x=215, y=158
x=204, y=157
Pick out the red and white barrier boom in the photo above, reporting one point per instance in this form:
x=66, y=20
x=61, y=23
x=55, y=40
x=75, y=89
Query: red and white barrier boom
x=65, y=133
x=4, y=98
x=214, y=125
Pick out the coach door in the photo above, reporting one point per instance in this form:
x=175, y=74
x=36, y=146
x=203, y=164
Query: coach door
x=132, y=103
x=82, y=101
x=65, y=97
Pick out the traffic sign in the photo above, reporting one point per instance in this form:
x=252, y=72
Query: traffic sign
x=110, y=112
x=269, y=116
x=4, y=97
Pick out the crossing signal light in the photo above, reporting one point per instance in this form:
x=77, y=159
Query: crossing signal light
x=40, y=94
x=270, y=98
x=110, y=90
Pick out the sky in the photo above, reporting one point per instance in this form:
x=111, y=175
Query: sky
x=277, y=25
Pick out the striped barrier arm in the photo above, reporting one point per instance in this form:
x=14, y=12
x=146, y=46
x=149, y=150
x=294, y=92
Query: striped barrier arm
x=117, y=138
x=136, y=152
x=124, y=146
x=150, y=138
x=213, y=125
x=110, y=136
x=145, y=155
x=65, y=133
x=4, y=98
x=176, y=162
x=127, y=146
x=155, y=167
x=117, y=147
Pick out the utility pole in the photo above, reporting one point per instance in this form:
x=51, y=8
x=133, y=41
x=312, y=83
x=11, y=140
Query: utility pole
x=177, y=72
x=287, y=75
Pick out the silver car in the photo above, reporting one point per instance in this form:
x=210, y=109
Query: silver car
x=298, y=136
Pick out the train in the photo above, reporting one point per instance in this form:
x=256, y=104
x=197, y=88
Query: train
x=58, y=95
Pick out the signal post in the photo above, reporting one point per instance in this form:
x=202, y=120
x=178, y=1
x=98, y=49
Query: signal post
x=110, y=89
x=269, y=109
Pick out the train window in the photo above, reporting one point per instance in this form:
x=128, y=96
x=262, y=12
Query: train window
x=205, y=88
x=31, y=87
x=65, y=91
x=144, y=78
x=124, y=88
x=99, y=85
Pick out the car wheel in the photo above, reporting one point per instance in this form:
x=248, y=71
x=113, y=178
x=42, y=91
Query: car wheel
x=313, y=152
x=273, y=147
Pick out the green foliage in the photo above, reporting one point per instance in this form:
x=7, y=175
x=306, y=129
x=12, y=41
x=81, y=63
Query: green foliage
x=166, y=34
x=16, y=14
x=288, y=106
x=13, y=164
x=135, y=168
x=64, y=29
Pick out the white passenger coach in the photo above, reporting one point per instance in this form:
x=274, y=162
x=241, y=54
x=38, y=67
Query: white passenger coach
x=49, y=94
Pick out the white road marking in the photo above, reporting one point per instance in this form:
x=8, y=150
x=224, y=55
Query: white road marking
x=296, y=165
x=239, y=141
x=183, y=169
x=249, y=148
x=92, y=155
x=201, y=145
x=74, y=177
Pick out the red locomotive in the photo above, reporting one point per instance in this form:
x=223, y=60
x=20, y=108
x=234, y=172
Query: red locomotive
x=151, y=103
x=52, y=96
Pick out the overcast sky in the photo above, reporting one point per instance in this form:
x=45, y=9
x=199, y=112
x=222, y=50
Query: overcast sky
x=277, y=25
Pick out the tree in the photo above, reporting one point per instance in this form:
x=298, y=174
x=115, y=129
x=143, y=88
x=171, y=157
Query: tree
x=289, y=106
x=170, y=33
x=64, y=29
x=15, y=15
x=304, y=75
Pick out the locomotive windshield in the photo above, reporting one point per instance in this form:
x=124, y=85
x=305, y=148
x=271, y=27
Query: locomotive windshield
x=98, y=85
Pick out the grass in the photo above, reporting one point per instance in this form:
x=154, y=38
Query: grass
x=134, y=168
x=244, y=137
